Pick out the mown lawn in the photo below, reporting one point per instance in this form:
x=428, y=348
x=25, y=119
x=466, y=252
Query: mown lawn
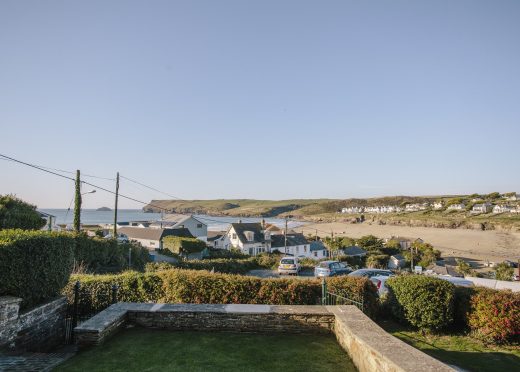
x=459, y=350
x=138, y=349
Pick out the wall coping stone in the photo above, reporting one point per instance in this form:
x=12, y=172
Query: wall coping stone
x=7, y=300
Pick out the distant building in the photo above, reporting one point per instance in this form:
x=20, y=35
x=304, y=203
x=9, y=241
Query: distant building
x=443, y=269
x=318, y=250
x=297, y=245
x=482, y=208
x=502, y=209
x=152, y=238
x=456, y=207
x=438, y=205
x=353, y=251
x=396, y=261
x=353, y=210
x=197, y=228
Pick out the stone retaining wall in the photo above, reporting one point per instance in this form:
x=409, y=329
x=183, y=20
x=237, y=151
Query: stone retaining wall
x=38, y=329
x=369, y=346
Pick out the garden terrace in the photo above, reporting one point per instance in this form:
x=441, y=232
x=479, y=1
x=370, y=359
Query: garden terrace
x=369, y=346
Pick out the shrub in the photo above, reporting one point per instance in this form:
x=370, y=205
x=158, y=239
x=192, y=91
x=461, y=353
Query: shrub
x=17, y=214
x=379, y=261
x=495, y=315
x=227, y=266
x=504, y=272
x=224, y=253
x=183, y=246
x=424, y=302
x=34, y=265
x=189, y=286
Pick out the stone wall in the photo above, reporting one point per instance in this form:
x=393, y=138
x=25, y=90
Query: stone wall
x=38, y=329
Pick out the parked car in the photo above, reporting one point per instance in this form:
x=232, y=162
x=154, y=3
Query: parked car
x=368, y=273
x=460, y=282
x=289, y=265
x=380, y=283
x=331, y=268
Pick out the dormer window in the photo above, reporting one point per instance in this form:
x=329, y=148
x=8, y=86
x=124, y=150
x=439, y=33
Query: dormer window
x=267, y=235
x=250, y=236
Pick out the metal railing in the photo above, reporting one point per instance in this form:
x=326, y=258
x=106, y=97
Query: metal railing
x=330, y=298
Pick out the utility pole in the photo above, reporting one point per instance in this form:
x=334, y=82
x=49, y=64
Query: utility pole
x=411, y=260
x=316, y=235
x=285, y=236
x=115, y=209
x=77, y=203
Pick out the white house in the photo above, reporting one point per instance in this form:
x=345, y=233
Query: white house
x=297, y=245
x=151, y=238
x=502, y=209
x=318, y=250
x=353, y=210
x=482, y=208
x=456, y=207
x=250, y=238
x=196, y=227
x=438, y=205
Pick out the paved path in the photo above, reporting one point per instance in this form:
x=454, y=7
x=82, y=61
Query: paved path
x=35, y=362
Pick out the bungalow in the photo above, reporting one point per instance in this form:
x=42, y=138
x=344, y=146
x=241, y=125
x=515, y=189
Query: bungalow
x=396, y=261
x=456, y=207
x=353, y=251
x=250, y=238
x=318, y=250
x=196, y=227
x=482, y=208
x=297, y=245
x=151, y=238
x=502, y=209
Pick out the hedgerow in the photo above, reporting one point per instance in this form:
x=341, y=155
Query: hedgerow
x=220, y=265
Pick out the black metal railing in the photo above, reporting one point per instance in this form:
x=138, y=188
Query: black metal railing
x=330, y=298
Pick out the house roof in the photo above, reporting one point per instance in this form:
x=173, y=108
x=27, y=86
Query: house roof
x=317, y=246
x=172, y=220
x=153, y=234
x=398, y=257
x=241, y=227
x=354, y=251
x=444, y=270
x=292, y=240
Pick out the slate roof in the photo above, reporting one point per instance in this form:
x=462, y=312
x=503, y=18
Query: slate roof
x=445, y=270
x=278, y=241
x=354, y=251
x=256, y=227
x=398, y=257
x=317, y=246
x=153, y=234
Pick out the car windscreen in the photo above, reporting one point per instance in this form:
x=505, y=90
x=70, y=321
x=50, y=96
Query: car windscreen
x=287, y=261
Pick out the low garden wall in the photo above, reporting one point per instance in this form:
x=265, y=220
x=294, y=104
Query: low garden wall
x=38, y=329
x=369, y=346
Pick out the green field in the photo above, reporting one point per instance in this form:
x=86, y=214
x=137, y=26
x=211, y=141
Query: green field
x=139, y=349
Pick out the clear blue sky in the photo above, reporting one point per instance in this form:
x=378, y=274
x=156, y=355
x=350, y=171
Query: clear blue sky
x=261, y=99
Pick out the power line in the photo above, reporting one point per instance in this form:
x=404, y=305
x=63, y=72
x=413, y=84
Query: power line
x=151, y=188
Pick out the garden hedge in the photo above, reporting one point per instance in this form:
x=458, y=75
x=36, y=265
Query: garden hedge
x=219, y=265
x=34, y=265
x=423, y=301
x=190, y=286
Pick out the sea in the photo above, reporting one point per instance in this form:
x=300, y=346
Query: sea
x=94, y=217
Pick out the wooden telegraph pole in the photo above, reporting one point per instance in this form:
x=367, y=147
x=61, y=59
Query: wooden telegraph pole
x=115, y=209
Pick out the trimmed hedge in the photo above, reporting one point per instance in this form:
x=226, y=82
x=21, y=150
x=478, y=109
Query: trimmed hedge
x=34, y=265
x=189, y=286
x=494, y=316
x=183, y=246
x=226, y=266
x=423, y=301
x=107, y=255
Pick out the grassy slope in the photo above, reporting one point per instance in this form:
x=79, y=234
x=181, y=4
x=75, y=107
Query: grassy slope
x=459, y=350
x=140, y=349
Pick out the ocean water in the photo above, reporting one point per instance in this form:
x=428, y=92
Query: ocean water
x=93, y=217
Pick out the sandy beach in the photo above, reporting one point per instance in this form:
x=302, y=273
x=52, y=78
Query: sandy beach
x=474, y=246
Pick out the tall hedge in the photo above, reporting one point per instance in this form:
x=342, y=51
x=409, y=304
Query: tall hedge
x=189, y=286
x=219, y=265
x=182, y=245
x=17, y=214
x=423, y=301
x=34, y=265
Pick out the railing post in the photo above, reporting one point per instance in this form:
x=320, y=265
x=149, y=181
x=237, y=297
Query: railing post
x=323, y=291
x=114, y=293
x=75, y=308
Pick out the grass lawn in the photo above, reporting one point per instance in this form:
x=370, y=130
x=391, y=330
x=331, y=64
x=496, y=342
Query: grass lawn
x=459, y=350
x=138, y=349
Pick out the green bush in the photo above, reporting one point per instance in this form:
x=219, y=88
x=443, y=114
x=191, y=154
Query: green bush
x=183, y=246
x=424, y=302
x=220, y=265
x=357, y=289
x=34, y=265
x=107, y=255
x=494, y=316
x=17, y=214
x=224, y=253
x=189, y=286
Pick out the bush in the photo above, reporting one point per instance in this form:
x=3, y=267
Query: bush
x=224, y=253
x=226, y=266
x=357, y=289
x=34, y=265
x=183, y=246
x=107, y=255
x=189, y=286
x=494, y=315
x=379, y=261
x=17, y=214
x=424, y=302
x=504, y=272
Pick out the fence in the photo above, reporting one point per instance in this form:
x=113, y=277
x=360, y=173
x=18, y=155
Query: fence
x=83, y=309
x=330, y=298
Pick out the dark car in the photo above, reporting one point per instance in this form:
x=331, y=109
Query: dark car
x=368, y=273
x=331, y=268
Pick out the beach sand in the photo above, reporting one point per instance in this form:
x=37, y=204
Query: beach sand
x=474, y=246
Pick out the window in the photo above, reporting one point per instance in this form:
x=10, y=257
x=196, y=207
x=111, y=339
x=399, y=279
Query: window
x=315, y=254
x=305, y=248
x=234, y=236
x=199, y=226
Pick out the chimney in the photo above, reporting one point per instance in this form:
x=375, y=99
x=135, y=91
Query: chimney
x=263, y=224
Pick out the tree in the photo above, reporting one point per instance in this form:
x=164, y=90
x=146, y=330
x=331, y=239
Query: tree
x=77, y=204
x=493, y=196
x=504, y=272
x=391, y=247
x=464, y=268
x=370, y=242
x=17, y=214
